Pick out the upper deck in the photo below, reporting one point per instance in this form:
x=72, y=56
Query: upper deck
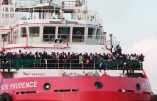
x=41, y=22
x=47, y=9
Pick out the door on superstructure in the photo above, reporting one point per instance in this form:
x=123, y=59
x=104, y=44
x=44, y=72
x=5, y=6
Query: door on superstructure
x=63, y=33
x=49, y=34
x=15, y=36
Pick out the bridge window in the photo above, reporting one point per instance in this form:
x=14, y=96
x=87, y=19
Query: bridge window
x=98, y=34
x=3, y=15
x=49, y=33
x=63, y=32
x=11, y=9
x=34, y=31
x=6, y=9
x=91, y=37
x=78, y=34
x=90, y=32
x=15, y=35
x=11, y=15
x=23, y=32
x=6, y=15
x=6, y=37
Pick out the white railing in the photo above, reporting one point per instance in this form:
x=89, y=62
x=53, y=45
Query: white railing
x=24, y=3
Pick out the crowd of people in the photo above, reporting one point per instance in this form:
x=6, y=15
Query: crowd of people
x=64, y=60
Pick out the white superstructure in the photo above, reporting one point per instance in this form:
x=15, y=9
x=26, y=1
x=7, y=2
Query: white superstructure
x=35, y=22
x=59, y=26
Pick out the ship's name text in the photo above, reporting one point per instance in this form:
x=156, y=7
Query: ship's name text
x=19, y=85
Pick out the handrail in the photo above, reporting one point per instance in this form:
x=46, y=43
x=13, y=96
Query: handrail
x=70, y=64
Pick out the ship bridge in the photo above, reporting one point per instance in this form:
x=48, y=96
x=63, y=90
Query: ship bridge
x=36, y=22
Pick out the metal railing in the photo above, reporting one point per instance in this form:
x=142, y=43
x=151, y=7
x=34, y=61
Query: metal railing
x=67, y=64
x=67, y=3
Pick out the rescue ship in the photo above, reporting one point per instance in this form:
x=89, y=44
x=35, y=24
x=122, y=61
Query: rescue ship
x=57, y=50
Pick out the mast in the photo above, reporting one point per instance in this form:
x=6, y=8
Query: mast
x=111, y=41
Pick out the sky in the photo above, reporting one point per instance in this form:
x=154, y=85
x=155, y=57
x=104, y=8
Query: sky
x=134, y=23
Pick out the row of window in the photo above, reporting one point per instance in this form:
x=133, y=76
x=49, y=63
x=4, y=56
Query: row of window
x=48, y=32
x=7, y=15
x=63, y=32
x=8, y=9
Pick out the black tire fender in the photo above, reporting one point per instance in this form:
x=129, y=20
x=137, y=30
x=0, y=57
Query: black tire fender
x=5, y=97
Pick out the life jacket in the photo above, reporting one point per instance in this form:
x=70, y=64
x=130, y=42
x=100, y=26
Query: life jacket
x=87, y=61
x=80, y=59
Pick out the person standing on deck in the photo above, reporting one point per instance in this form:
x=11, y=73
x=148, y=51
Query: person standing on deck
x=80, y=59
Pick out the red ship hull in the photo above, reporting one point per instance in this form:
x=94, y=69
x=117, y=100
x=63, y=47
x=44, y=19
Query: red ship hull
x=77, y=88
x=85, y=96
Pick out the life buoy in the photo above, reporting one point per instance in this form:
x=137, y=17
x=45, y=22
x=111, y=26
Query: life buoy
x=6, y=97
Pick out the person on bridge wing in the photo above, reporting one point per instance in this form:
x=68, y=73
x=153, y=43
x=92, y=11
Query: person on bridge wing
x=125, y=68
x=128, y=67
x=118, y=50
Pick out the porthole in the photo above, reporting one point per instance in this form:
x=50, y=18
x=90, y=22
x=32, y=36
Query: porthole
x=47, y=86
x=98, y=84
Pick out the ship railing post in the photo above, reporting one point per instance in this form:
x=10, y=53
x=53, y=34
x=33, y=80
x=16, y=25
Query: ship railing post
x=22, y=65
x=34, y=63
x=82, y=65
x=0, y=63
x=106, y=66
x=58, y=63
x=117, y=67
x=141, y=65
x=70, y=63
x=94, y=63
x=40, y=63
x=10, y=64
x=46, y=63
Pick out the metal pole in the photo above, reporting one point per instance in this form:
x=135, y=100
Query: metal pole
x=111, y=43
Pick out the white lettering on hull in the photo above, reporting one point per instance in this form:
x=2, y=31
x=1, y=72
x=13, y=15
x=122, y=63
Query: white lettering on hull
x=20, y=85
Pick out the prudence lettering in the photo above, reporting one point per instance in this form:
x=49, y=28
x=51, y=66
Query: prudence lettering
x=19, y=85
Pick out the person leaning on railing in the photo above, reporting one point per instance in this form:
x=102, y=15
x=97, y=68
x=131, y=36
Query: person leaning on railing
x=57, y=60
